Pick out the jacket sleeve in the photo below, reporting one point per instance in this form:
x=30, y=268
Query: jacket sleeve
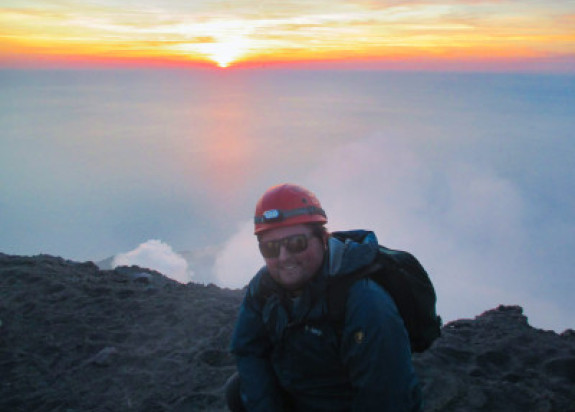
x=251, y=347
x=376, y=351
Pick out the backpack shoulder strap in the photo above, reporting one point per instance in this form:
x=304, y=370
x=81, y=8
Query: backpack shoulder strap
x=262, y=287
x=403, y=277
x=338, y=289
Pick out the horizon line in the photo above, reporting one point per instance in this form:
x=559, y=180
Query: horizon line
x=550, y=64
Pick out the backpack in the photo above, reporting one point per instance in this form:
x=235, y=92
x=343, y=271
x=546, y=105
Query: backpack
x=403, y=277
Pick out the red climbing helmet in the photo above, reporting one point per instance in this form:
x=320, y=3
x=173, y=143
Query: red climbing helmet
x=287, y=205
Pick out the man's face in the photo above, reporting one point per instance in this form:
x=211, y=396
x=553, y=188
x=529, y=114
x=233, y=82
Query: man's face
x=294, y=270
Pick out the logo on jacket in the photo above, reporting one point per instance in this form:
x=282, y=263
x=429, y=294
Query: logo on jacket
x=358, y=336
x=313, y=331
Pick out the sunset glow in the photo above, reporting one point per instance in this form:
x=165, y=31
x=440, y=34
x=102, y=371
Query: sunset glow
x=225, y=34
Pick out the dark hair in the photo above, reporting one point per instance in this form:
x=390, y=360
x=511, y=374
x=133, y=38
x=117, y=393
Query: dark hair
x=319, y=230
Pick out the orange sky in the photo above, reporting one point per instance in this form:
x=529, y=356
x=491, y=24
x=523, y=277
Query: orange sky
x=423, y=34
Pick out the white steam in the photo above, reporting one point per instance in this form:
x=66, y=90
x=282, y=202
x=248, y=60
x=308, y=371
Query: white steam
x=158, y=256
x=465, y=223
x=239, y=259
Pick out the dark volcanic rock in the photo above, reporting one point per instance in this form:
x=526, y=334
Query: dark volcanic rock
x=498, y=362
x=75, y=338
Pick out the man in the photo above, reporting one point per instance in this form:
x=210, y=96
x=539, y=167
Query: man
x=290, y=354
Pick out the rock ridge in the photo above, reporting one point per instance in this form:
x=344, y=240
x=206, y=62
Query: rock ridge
x=77, y=338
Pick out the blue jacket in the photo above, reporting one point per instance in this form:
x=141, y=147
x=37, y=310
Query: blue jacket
x=289, y=353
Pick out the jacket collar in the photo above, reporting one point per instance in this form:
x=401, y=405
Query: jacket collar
x=349, y=251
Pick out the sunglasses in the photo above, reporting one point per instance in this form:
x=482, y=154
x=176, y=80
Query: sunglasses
x=293, y=244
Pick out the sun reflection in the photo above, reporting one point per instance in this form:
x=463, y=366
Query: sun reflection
x=224, y=139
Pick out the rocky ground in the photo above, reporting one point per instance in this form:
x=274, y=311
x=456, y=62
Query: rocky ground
x=77, y=338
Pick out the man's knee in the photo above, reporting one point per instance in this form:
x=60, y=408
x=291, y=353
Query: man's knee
x=233, y=397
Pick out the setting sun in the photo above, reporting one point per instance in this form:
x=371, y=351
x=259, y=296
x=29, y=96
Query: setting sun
x=225, y=52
